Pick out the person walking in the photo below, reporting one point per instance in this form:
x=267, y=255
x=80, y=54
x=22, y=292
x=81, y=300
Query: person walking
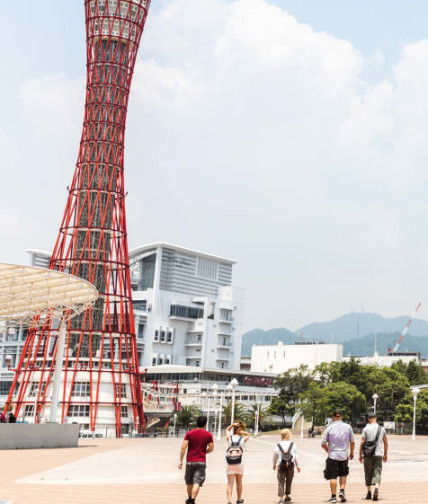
x=236, y=437
x=373, y=451
x=337, y=439
x=284, y=461
x=197, y=442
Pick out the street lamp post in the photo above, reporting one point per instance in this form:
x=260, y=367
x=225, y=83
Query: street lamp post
x=375, y=397
x=36, y=392
x=257, y=415
x=219, y=417
x=415, y=392
x=175, y=421
x=233, y=384
x=214, y=389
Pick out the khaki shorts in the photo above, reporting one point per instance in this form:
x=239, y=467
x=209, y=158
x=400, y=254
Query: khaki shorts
x=195, y=473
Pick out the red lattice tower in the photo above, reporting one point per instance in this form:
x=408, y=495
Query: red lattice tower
x=100, y=367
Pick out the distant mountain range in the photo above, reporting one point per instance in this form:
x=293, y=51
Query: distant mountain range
x=355, y=331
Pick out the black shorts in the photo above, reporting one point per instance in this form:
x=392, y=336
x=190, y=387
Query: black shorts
x=336, y=469
x=195, y=473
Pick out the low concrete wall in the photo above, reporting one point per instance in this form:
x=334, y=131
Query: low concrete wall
x=25, y=436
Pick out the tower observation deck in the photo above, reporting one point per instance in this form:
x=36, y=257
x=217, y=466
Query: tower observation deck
x=101, y=382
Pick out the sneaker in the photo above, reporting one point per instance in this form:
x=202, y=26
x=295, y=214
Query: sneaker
x=240, y=501
x=287, y=499
x=376, y=494
x=332, y=499
x=369, y=496
x=342, y=496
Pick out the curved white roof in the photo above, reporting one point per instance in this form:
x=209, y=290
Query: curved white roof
x=144, y=248
x=27, y=291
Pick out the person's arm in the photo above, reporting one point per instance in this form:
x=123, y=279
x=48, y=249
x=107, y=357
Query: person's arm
x=210, y=447
x=385, y=444
x=228, y=429
x=351, y=443
x=363, y=440
x=296, y=460
x=324, y=441
x=246, y=436
x=182, y=453
x=275, y=457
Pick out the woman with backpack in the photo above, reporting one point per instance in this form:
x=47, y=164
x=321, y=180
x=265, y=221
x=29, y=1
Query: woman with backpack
x=236, y=438
x=284, y=460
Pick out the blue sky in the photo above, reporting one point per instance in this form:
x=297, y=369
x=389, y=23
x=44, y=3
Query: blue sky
x=293, y=140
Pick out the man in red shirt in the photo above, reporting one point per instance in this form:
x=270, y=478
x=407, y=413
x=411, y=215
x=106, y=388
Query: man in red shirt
x=198, y=442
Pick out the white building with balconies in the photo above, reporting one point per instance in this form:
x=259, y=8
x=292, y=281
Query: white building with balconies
x=187, y=312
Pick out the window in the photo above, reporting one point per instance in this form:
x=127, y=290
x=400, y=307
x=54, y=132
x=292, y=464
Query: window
x=167, y=359
x=140, y=305
x=197, y=363
x=169, y=337
x=186, y=312
x=160, y=360
x=78, y=410
x=29, y=410
x=122, y=388
x=207, y=268
x=162, y=336
x=35, y=386
x=81, y=389
x=154, y=359
x=226, y=315
x=156, y=336
x=141, y=328
x=124, y=411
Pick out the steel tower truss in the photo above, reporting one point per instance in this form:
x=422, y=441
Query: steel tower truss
x=92, y=243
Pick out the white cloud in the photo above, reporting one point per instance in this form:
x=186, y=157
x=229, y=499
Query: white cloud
x=252, y=135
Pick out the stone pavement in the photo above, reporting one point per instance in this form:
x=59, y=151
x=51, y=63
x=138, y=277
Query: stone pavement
x=145, y=471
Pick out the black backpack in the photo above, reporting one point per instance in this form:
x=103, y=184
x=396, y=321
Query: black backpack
x=234, y=452
x=286, y=458
x=369, y=447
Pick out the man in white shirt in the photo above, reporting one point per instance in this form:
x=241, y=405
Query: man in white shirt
x=337, y=439
x=373, y=464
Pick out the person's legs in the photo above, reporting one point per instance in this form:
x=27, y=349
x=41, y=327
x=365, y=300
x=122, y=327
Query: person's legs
x=289, y=481
x=333, y=486
x=195, y=491
x=229, y=487
x=189, y=490
x=239, y=486
x=281, y=481
x=376, y=476
x=368, y=468
x=342, y=482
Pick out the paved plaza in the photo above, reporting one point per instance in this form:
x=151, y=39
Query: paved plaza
x=145, y=471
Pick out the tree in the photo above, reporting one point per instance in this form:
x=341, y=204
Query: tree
x=290, y=384
x=251, y=414
x=346, y=398
x=279, y=406
x=186, y=417
x=240, y=413
x=413, y=371
x=404, y=411
x=313, y=404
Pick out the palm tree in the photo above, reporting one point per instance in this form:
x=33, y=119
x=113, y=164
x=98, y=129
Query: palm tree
x=186, y=417
x=264, y=416
x=240, y=413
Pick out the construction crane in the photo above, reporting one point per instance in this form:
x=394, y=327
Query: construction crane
x=405, y=330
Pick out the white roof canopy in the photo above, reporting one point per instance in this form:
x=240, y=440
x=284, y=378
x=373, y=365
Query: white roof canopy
x=27, y=292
